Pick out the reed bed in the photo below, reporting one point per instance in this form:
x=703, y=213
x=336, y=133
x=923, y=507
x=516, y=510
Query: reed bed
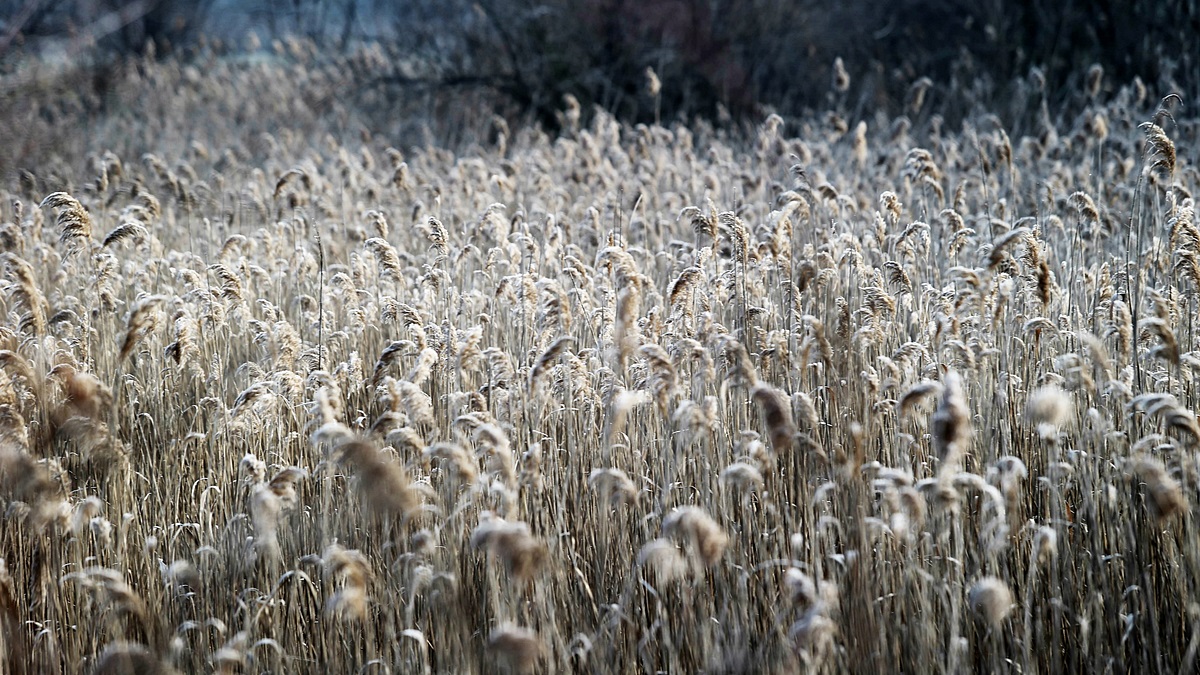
x=826, y=394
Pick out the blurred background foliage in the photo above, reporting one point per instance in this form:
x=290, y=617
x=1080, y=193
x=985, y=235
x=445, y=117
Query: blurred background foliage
x=722, y=60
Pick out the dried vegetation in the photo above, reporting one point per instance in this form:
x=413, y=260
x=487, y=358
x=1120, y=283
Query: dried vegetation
x=632, y=399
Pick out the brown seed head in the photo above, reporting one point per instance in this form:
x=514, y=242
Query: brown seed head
x=991, y=600
x=698, y=532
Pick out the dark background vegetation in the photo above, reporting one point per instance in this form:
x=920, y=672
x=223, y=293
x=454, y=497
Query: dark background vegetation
x=717, y=59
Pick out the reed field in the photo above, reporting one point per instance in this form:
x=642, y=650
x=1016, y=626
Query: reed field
x=843, y=392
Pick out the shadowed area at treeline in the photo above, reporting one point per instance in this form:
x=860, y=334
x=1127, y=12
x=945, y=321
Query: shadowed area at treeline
x=716, y=59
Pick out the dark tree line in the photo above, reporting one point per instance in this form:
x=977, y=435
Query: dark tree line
x=710, y=56
x=744, y=55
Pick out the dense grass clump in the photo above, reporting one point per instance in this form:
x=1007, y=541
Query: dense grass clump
x=827, y=395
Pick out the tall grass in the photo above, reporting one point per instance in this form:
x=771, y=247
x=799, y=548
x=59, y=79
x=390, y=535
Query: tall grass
x=633, y=399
